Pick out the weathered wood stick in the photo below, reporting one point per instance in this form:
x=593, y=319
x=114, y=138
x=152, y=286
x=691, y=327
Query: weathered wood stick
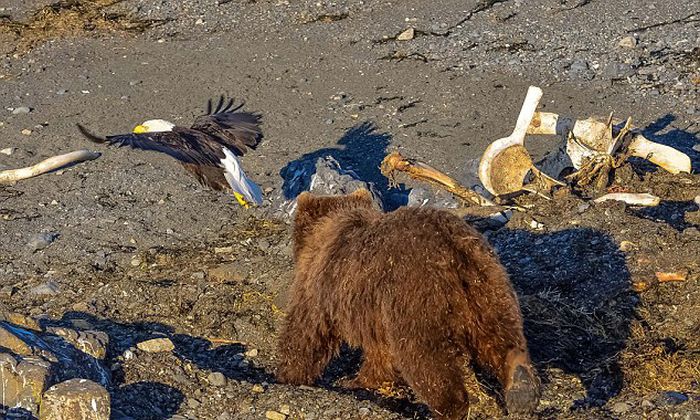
x=47, y=165
x=423, y=172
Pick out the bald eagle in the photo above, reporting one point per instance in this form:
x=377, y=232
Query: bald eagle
x=209, y=149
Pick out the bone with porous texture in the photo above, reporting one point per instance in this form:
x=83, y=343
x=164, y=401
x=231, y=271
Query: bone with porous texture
x=423, y=172
x=47, y=165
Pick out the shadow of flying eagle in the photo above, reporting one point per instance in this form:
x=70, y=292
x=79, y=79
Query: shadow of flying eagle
x=209, y=149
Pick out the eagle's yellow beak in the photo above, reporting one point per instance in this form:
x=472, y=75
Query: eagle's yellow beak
x=139, y=129
x=241, y=200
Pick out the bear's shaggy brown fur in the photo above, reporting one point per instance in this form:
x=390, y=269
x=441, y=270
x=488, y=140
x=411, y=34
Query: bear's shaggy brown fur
x=418, y=290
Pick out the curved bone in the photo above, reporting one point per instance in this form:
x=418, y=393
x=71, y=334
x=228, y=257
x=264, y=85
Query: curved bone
x=47, y=165
x=421, y=171
x=506, y=162
x=664, y=156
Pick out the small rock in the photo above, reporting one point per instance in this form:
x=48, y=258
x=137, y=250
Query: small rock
x=257, y=388
x=26, y=132
x=134, y=82
x=135, y=261
x=364, y=412
x=199, y=21
x=672, y=397
x=48, y=288
x=223, y=250
x=225, y=272
x=284, y=409
x=192, y=403
x=75, y=399
x=7, y=291
x=61, y=91
x=406, y=35
x=582, y=207
x=41, y=241
x=252, y=353
x=627, y=42
x=13, y=343
x=647, y=404
x=620, y=407
x=274, y=415
x=697, y=147
x=217, y=379
x=21, y=110
x=8, y=151
x=626, y=246
x=329, y=121
x=156, y=345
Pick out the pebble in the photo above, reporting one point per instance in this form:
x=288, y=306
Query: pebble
x=252, y=353
x=41, y=241
x=48, y=288
x=274, y=415
x=135, y=261
x=8, y=151
x=61, y=91
x=620, y=407
x=406, y=35
x=697, y=147
x=156, y=345
x=26, y=132
x=258, y=388
x=329, y=121
x=217, y=379
x=627, y=42
x=284, y=409
x=21, y=110
x=647, y=404
x=364, y=412
x=134, y=82
x=192, y=403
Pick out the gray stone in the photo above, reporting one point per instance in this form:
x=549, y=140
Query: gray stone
x=217, y=379
x=21, y=110
x=41, y=241
x=323, y=176
x=620, y=407
x=156, y=345
x=75, y=399
x=49, y=288
x=627, y=42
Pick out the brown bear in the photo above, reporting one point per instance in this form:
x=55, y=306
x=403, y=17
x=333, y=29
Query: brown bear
x=418, y=290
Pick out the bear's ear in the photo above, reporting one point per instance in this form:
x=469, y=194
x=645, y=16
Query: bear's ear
x=304, y=199
x=364, y=196
x=362, y=193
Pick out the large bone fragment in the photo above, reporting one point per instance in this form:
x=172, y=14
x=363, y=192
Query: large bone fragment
x=506, y=163
x=424, y=172
x=634, y=199
x=586, y=138
x=47, y=165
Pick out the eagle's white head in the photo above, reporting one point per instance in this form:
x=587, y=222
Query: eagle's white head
x=152, y=126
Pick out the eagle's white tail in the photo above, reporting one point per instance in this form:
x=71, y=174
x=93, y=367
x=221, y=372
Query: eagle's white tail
x=238, y=180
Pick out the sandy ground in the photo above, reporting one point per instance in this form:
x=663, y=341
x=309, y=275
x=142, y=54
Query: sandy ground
x=137, y=239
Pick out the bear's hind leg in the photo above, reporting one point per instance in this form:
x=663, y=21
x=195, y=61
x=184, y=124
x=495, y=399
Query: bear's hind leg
x=435, y=375
x=507, y=357
x=376, y=370
x=306, y=345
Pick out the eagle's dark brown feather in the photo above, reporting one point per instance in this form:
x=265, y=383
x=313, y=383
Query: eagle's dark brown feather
x=200, y=147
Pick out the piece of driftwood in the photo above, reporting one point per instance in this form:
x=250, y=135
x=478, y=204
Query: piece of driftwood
x=55, y=162
x=395, y=162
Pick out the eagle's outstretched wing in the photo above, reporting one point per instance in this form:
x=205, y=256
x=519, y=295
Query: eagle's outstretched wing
x=238, y=131
x=185, y=145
